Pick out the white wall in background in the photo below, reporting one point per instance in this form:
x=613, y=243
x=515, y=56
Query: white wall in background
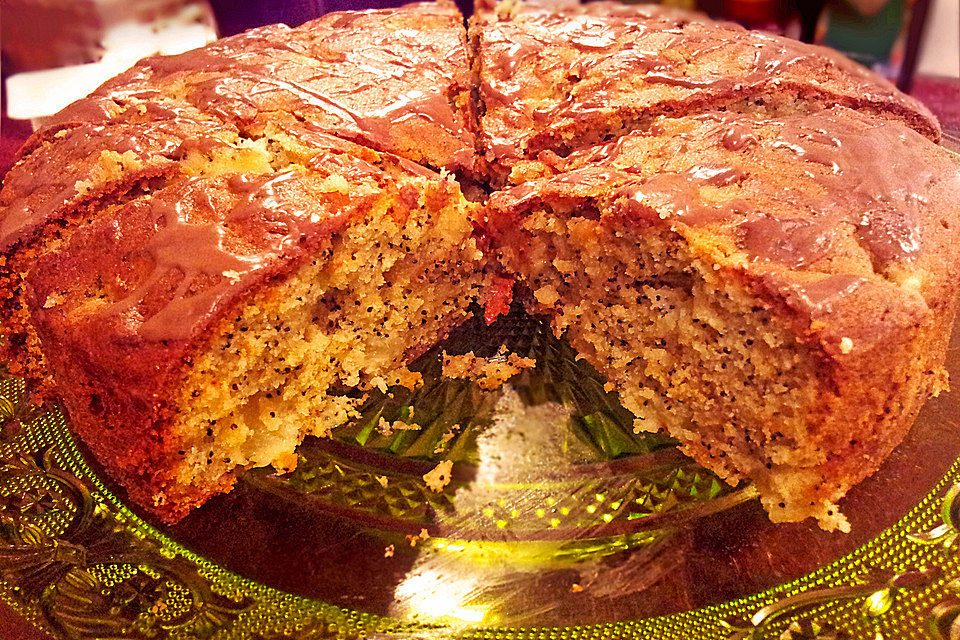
x=940, y=54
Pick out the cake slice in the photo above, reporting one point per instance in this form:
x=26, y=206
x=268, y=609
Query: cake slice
x=395, y=80
x=65, y=175
x=211, y=324
x=555, y=79
x=776, y=294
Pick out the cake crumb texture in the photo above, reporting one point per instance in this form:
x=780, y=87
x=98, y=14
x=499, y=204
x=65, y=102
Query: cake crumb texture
x=217, y=254
x=488, y=373
x=439, y=477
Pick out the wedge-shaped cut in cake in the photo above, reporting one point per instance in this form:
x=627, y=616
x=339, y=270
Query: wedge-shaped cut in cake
x=558, y=79
x=772, y=293
x=210, y=325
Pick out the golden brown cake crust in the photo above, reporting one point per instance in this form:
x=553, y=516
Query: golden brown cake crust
x=191, y=184
x=556, y=79
x=839, y=224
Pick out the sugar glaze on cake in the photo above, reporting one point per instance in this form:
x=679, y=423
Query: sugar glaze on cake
x=752, y=239
x=769, y=291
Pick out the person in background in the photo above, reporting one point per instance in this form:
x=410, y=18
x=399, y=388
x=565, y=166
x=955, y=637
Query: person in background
x=869, y=31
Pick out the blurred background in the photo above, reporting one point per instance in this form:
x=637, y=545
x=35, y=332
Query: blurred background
x=55, y=51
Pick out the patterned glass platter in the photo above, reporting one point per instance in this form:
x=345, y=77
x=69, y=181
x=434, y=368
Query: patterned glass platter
x=554, y=520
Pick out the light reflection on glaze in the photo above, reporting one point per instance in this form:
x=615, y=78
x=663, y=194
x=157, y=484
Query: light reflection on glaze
x=634, y=63
x=209, y=269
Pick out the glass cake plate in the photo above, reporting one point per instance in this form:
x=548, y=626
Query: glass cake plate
x=555, y=521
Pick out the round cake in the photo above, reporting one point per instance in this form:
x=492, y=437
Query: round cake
x=753, y=240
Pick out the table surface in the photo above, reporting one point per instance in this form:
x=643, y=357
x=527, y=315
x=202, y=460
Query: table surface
x=942, y=95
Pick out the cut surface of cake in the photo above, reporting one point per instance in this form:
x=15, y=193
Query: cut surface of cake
x=255, y=300
x=771, y=292
x=754, y=240
x=554, y=80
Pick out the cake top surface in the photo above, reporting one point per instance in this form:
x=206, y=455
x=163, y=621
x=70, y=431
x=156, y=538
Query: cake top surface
x=809, y=206
x=135, y=287
x=394, y=79
x=558, y=79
